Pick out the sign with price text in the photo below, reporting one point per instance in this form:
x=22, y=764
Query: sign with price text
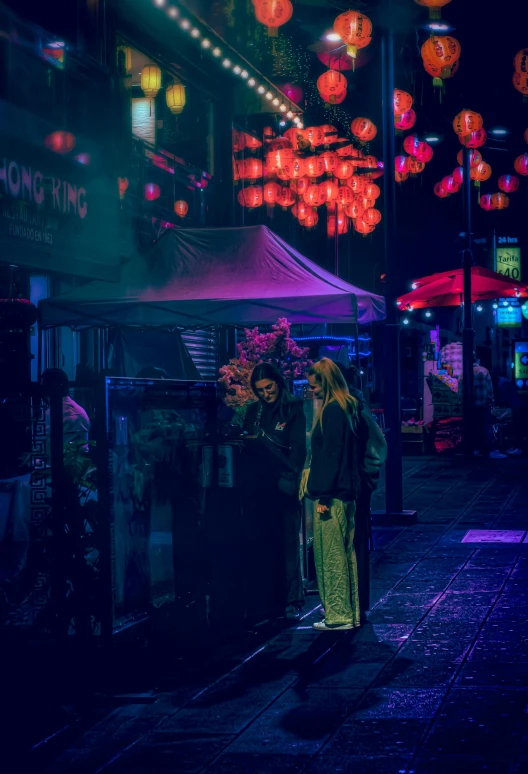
x=509, y=262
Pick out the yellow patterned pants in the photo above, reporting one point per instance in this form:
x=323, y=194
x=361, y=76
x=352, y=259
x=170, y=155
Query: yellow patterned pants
x=335, y=563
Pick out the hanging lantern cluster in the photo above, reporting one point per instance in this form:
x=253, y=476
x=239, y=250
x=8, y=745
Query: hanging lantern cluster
x=404, y=115
x=520, y=71
x=311, y=168
x=468, y=126
x=419, y=154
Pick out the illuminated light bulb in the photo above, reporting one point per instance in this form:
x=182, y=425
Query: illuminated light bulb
x=428, y=313
x=195, y=33
x=510, y=308
x=173, y=12
x=261, y=89
x=206, y=43
x=333, y=37
x=251, y=82
x=505, y=303
x=244, y=74
x=283, y=108
x=282, y=123
x=185, y=24
x=495, y=306
x=289, y=114
x=276, y=102
x=296, y=120
x=479, y=308
x=405, y=321
x=300, y=125
x=414, y=285
x=217, y=52
x=237, y=69
x=159, y=3
x=269, y=95
x=226, y=63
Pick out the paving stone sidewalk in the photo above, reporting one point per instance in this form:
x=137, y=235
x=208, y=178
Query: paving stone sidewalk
x=436, y=682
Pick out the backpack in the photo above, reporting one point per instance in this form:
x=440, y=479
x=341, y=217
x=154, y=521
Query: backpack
x=374, y=448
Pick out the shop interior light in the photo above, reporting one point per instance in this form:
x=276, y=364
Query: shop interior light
x=217, y=52
x=251, y=82
x=185, y=24
x=206, y=43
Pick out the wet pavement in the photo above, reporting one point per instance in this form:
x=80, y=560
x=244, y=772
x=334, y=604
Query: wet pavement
x=437, y=681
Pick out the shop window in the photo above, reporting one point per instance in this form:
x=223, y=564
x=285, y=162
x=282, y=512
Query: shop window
x=144, y=119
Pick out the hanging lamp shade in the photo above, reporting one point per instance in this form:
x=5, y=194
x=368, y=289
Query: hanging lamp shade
x=150, y=80
x=175, y=97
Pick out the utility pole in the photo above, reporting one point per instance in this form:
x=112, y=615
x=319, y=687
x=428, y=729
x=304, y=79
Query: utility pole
x=468, y=336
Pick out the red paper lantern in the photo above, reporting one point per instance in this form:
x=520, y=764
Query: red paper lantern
x=500, y=201
x=298, y=168
x=282, y=160
x=314, y=135
x=481, y=172
x=355, y=30
x=271, y=192
x=466, y=122
x=310, y=221
x=181, y=208
x=300, y=210
x=330, y=160
x=402, y=102
x=285, y=197
x=416, y=167
x=458, y=175
x=508, y=183
x=349, y=152
x=450, y=185
x=314, y=166
x=330, y=191
x=521, y=164
x=342, y=224
x=344, y=169
x=400, y=177
x=332, y=86
x=441, y=50
x=273, y=13
x=293, y=136
x=434, y=6
x=424, y=153
x=60, y=142
x=293, y=92
x=401, y=164
x=363, y=228
x=239, y=142
x=475, y=139
x=520, y=61
x=520, y=82
x=439, y=191
x=486, y=202
x=369, y=162
x=252, y=169
x=152, y=191
x=405, y=121
x=475, y=158
x=252, y=143
x=122, y=184
x=368, y=203
x=251, y=196
x=411, y=144
x=330, y=134
x=372, y=216
x=371, y=190
x=363, y=129
x=301, y=185
x=440, y=73
x=355, y=209
x=314, y=196
x=355, y=183
x=345, y=195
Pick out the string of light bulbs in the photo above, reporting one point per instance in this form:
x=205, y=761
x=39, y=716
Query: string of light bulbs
x=252, y=77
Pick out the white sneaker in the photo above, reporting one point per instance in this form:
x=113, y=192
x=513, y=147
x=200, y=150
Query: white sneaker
x=497, y=455
x=322, y=627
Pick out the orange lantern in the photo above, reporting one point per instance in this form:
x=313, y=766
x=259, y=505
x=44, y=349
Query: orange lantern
x=500, y=201
x=355, y=209
x=368, y=203
x=450, y=185
x=363, y=129
x=508, y=183
x=440, y=191
x=299, y=168
x=285, y=197
x=520, y=61
x=301, y=185
x=301, y=210
x=370, y=162
x=402, y=102
x=271, y=192
x=314, y=166
x=330, y=160
x=355, y=30
x=181, y=208
x=268, y=134
x=332, y=86
x=415, y=166
x=372, y=216
x=480, y=173
x=521, y=164
x=363, y=228
x=400, y=177
x=310, y=221
x=345, y=195
x=252, y=169
x=466, y=122
x=424, y=153
x=411, y=144
x=252, y=143
x=314, y=196
x=282, y=160
x=344, y=169
x=520, y=82
x=355, y=183
x=279, y=143
x=371, y=190
x=440, y=73
x=122, y=184
x=435, y=7
x=348, y=151
x=314, y=135
x=330, y=191
x=152, y=192
x=475, y=139
x=441, y=50
x=293, y=136
x=405, y=121
x=486, y=202
x=339, y=220
x=284, y=174
x=251, y=196
x=273, y=13
x=474, y=158
x=330, y=134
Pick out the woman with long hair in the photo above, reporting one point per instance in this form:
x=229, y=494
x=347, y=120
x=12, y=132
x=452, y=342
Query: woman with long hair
x=334, y=485
x=277, y=420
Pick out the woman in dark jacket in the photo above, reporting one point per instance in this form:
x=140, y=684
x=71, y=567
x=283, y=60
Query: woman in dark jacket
x=334, y=485
x=277, y=424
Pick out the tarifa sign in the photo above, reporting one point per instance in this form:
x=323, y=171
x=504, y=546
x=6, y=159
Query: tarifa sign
x=508, y=259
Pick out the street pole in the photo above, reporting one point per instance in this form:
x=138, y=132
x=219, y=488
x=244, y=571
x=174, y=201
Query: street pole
x=394, y=512
x=468, y=336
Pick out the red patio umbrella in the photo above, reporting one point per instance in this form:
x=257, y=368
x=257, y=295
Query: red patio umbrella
x=447, y=288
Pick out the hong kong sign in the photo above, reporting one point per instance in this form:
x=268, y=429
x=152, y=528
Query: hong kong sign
x=56, y=213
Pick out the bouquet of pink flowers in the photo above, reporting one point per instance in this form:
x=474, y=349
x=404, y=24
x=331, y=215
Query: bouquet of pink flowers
x=275, y=347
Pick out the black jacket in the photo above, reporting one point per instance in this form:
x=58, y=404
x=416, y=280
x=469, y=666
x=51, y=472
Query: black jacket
x=334, y=470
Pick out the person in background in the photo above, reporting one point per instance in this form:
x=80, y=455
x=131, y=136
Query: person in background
x=482, y=404
x=334, y=484
x=277, y=420
x=75, y=422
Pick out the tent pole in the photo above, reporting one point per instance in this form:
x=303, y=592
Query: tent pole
x=468, y=335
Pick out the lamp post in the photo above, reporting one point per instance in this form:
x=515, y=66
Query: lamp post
x=468, y=335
